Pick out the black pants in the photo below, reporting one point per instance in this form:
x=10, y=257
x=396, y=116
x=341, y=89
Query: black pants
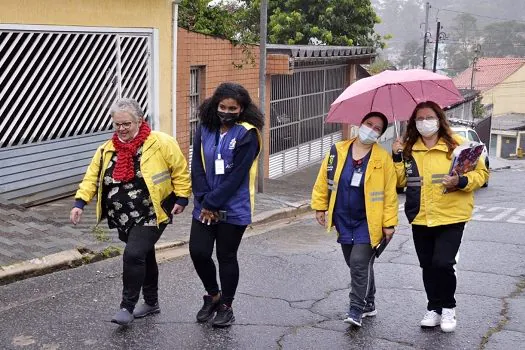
x=228, y=238
x=360, y=259
x=140, y=269
x=437, y=248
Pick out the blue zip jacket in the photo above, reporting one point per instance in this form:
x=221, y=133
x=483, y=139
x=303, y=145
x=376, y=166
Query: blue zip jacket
x=349, y=211
x=233, y=191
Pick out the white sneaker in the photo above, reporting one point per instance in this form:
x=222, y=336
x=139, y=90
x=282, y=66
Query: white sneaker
x=448, y=320
x=431, y=319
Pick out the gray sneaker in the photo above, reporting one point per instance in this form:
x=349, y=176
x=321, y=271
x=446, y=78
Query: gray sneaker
x=123, y=317
x=144, y=310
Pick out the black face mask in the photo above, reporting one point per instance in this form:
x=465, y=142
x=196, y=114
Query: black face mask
x=227, y=119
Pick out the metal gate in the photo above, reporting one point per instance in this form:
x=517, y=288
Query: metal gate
x=298, y=108
x=508, y=146
x=483, y=129
x=56, y=86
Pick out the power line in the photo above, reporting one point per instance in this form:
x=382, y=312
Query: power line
x=486, y=65
x=476, y=15
x=502, y=85
x=447, y=42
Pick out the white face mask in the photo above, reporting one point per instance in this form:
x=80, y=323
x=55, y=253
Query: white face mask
x=367, y=135
x=427, y=127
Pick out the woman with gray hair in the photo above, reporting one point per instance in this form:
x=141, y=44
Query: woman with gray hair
x=135, y=175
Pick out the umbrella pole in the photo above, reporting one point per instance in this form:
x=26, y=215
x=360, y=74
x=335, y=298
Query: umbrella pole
x=393, y=113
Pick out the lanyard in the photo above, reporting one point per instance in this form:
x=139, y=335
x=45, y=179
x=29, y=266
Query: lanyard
x=357, y=164
x=218, y=142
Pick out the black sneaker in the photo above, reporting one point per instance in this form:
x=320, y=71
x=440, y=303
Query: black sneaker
x=208, y=309
x=224, y=317
x=354, y=317
x=369, y=310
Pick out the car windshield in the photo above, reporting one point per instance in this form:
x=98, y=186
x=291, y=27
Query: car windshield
x=462, y=134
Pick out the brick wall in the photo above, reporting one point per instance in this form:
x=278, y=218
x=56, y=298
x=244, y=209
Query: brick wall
x=278, y=64
x=219, y=58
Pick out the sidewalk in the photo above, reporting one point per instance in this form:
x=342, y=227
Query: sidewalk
x=502, y=163
x=40, y=239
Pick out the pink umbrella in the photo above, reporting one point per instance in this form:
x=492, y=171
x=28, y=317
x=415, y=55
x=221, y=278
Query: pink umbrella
x=393, y=93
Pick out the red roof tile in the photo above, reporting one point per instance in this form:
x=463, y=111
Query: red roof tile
x=490, y=71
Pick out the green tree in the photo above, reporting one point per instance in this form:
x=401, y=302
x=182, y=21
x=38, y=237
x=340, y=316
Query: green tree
x=504, y=39
x=226, y=20
x=400, y=18
x=478, y=110
x=380, y=65
x=412, y=55
x=461, y=43
x=329, y=22
x=197, y=16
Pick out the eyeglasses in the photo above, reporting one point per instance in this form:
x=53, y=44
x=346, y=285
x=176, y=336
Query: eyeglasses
x=125, y=125
x=430, y=117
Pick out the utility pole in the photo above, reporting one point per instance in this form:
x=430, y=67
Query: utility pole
x=425, y=37
x=474, y=61
x=438, y=34
x=262, y=88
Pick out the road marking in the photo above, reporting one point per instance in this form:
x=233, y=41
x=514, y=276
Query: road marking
x=494, y=214
x=478, y=215
x=516, y=219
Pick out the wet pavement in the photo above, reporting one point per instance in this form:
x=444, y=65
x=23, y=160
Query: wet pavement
x=293, y=293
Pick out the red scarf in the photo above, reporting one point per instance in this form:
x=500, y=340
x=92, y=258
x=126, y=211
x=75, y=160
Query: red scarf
x=124, y=170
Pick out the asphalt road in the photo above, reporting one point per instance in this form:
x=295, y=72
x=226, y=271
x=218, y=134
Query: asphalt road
x=293, y=293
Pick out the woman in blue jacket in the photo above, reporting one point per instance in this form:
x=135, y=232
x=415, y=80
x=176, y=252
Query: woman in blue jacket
x=224, y=165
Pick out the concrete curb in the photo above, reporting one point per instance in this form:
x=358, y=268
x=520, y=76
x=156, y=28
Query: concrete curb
x=501, y=168
x=28, y=268
x=297, y=208
x=169, y=245
x=74, y=257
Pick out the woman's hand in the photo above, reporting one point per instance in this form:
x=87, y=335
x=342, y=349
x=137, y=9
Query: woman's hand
x=320, y=216
x=397, y=146
x=388, y=232
x=451, y=182
x=75, y=215
x=207, y=216
x=177, y=209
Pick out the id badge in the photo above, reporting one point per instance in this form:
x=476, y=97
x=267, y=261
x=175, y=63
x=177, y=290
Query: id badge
x=356, y=179
x=219, y=166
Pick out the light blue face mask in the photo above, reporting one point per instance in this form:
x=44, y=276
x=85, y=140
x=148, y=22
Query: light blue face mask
x=367, y=135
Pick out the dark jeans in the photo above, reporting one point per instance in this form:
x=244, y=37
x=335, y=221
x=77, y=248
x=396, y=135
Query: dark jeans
x=228, y=238
x=437, y=248
x=360, y=259
x=140, y=268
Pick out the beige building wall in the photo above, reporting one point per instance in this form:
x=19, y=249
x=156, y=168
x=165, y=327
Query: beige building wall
x=105, y=13
x=509, y=95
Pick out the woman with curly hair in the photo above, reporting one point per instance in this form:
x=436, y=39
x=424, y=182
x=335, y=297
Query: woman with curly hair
x=224, y=165
x=423, y=159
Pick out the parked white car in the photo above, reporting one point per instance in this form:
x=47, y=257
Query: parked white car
x=470, y=134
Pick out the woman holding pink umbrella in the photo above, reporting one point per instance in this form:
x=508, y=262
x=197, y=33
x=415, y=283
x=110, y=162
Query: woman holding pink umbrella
x=423, y=159
x=355, y=191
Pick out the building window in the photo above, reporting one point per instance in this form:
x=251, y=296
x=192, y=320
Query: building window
x=195, y=98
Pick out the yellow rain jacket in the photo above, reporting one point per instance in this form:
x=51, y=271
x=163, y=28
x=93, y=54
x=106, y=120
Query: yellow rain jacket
x=426, y=204
x=380, y=189
x=163, y=167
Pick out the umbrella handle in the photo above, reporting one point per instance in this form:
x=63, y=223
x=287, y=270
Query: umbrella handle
x=396, y=128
